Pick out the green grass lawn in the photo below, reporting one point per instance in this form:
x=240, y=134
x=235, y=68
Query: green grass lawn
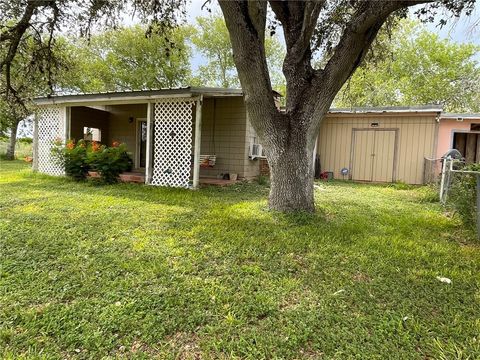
x=128, y=271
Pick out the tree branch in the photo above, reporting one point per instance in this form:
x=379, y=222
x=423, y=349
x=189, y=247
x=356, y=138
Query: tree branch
x=246, y=21
x=354, y=43
x=298, y=19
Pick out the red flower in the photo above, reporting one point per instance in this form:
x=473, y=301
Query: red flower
x=70, y=144
x=95, y=146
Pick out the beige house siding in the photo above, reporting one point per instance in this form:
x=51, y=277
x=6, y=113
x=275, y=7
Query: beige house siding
x=414, y=139
x=121, y=129
x=224, y=132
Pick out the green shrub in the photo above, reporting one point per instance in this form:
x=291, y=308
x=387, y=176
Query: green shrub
x=73, y=158
x=263, y=180
x=25, y=140
x=462, y=196
x=110, y=162
x=78, y=159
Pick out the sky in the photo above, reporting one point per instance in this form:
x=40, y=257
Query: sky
x=464, y=29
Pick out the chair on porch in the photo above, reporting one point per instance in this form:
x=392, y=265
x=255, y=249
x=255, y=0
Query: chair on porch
x=207, y=161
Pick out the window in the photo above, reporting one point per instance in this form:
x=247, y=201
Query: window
x=92, y=134
x=475, y=127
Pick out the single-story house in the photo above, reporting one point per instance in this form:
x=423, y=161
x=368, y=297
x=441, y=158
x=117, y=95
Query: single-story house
x=176, y=136
x=179, y=137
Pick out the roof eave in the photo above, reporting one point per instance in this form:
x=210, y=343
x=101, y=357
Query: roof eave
x=135, y=97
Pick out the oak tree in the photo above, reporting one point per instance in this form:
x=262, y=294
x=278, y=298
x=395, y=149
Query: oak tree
x=340, y=33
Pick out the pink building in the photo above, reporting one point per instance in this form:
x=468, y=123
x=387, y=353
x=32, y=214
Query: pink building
x=461, y=132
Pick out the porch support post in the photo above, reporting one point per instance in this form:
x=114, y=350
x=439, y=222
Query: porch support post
x=35, y=142
x=198, y=140
x=149, y=150
x=66, y=122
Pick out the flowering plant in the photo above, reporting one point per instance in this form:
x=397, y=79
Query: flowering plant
x=110, y=162
x=78, y=158
x=73, y=157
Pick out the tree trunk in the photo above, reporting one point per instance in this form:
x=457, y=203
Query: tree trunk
x=10, y=155
x=291, y=177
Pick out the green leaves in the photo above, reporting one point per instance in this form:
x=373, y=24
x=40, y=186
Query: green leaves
x=212, y=40
x=416, y=67
x=84, y=156
x=127, y=59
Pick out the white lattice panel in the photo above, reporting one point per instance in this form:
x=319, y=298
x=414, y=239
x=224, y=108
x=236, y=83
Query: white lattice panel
x=50, y=129
x=172, y=142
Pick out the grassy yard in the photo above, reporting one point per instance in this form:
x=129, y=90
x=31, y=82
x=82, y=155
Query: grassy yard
x=129, y=271
x=22, y=149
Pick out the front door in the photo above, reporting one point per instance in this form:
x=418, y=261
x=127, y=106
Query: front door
x=373, y=155
x=141, y=143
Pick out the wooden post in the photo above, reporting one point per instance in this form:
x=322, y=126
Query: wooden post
x=198, y=139
x=35, y=142
x=460, y=142
x=471, y=148
x=149, y=149
x=66, y=122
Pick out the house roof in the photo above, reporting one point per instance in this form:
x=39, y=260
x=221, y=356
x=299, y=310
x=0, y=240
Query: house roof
x=140, y=95
x=459, y=116
x=137, y=96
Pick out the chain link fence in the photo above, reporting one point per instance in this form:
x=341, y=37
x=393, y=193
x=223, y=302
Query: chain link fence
x=459, y=190
x=432, y=170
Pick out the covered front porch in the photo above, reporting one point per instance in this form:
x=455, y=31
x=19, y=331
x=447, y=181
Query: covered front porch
x=177, y=138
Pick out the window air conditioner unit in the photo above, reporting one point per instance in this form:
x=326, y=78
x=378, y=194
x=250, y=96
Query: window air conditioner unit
x=256, y=152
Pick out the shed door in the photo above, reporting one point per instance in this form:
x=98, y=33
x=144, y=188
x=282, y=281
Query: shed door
x=383, y=156
x=373, y=157
x=363, y=148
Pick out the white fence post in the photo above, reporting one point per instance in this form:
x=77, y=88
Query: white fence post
x=198, y=139
x=149, y=150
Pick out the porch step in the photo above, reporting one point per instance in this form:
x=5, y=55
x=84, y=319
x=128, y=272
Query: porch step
x=132, y=177
x=135, y=177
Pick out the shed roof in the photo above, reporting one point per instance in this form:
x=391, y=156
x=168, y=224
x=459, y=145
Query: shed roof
x=389, y=109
